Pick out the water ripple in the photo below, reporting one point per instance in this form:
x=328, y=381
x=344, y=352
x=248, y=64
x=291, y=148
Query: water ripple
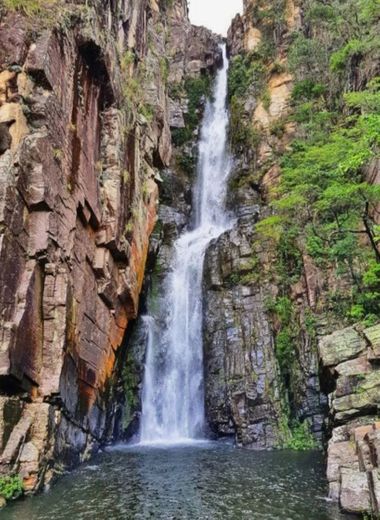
x=213, y=481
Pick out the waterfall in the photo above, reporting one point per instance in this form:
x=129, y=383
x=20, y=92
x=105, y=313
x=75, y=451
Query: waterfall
x=173, y=393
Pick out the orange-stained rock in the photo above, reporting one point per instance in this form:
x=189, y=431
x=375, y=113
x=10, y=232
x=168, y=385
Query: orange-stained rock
x=78, y=203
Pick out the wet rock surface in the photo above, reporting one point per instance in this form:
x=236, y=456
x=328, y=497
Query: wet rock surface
x=241, y=372
x=324, y=357
x=70, y=277
x=245, y=390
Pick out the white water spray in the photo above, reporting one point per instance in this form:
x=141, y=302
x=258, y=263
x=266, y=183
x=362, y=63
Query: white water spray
x=173, y=393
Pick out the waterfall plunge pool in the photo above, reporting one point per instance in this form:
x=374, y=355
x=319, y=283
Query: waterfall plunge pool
x=200, y=481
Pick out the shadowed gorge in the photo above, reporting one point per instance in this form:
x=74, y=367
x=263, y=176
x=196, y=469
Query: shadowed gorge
x=189, y=248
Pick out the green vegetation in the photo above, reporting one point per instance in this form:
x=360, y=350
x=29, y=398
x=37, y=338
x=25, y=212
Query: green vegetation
x=323, y=224
x=134, y=98
x=324, y=207
x=307, y=58
x=324, y=198
x=270, y=17
x=348, y=32
x=29, y=7
x=307, y=90
x=167, y=3
x=369, y=516
x=196, y=90
x=245, y=72
x=146, y=111
x=277, y=128
x=242, y=133
x=296, y=436
x=51, y=13
x=283, y=312
x=247, y=274
x=187, y=163
x=353, y=48
x=266, y=99
x=246, y=75
x=164, y=68
x=11, y=486
x=322, y=232
x=58, y=154
x=134, y=76
x=126, y=60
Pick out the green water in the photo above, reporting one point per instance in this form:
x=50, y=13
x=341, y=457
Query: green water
x=206, y=481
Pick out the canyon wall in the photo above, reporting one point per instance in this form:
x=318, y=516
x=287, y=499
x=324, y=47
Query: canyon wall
x=250, y=389
x=301, y=261
x=99, y=118
x=350, y=363
x=85, y=118
x=271, y=296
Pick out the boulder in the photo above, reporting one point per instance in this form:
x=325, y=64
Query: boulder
x=354, y=447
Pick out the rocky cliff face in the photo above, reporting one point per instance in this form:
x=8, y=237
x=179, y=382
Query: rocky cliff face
x=84, y=131
x=275, y=294
x=99, y=116
x=198, y=55
x=350, y=360
x=241, y=371
x=252, y=390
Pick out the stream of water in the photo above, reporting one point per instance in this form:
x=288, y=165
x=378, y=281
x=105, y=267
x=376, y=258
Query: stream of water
x=173, y=397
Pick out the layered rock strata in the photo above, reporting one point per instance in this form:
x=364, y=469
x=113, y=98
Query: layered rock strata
x=84, y=131
x=249, y=392
x=242, y=381
x=350, y=360
x=302, y=301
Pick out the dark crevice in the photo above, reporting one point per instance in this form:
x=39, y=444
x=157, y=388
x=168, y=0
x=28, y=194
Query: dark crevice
x=5, y=138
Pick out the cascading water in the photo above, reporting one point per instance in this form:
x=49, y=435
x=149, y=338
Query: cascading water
x=173, y=394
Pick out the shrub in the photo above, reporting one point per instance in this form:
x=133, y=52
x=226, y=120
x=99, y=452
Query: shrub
x=28, y=7
x=307, y=90
x=181, y=136
x=298, y=437
x=340, y=58
x=266, y=99
x=307, y=57
x=186, y=163
x=242, y=132
x=245, y=72
x=277, y=128
x=196, y=90
x=11, y=486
